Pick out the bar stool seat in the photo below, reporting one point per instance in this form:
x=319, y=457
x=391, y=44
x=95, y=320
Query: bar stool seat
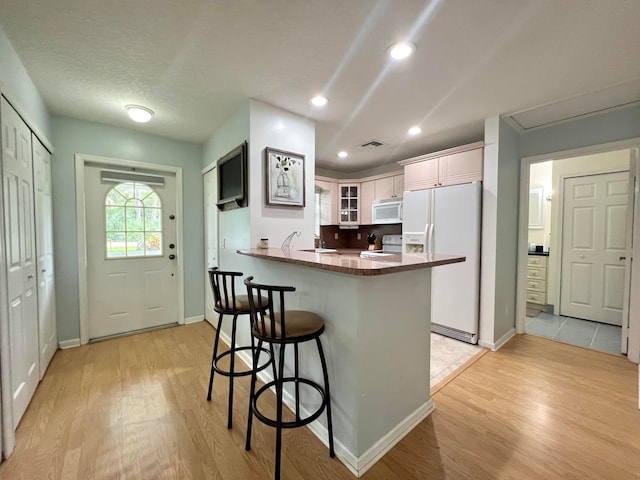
x=272, y=323
x=226, y=302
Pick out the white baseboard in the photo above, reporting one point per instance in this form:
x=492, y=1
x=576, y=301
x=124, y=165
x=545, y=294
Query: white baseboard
x=356, y=465
x=196, y=319
x=74, y=342
x=500, y=342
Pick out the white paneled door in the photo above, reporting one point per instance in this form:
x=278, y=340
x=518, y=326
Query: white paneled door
x=132, y=265
x=20, y=259
x=211, y=237
x=594, y=247
x=48, y=338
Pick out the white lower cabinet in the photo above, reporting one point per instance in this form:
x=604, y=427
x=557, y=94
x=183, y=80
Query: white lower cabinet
x=537, y=279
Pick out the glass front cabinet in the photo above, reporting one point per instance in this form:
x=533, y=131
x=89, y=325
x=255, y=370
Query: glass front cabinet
x=349, y=203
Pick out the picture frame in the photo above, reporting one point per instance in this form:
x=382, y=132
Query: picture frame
x=285, y=178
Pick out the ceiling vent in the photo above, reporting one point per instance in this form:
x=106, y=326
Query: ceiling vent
x=373, y=144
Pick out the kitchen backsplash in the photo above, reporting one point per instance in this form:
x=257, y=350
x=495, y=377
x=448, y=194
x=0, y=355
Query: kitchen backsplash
x=349, y=238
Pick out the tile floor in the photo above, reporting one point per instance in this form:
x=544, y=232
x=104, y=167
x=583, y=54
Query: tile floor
x=584, y=333
x=447, y=355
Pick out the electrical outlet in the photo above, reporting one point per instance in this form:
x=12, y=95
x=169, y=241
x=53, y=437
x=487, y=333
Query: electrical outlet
x=359, y=235
x=335, y=236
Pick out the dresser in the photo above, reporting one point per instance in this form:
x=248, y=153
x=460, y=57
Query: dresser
x=537, y=279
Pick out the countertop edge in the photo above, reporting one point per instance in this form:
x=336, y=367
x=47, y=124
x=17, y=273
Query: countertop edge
x=363, y=272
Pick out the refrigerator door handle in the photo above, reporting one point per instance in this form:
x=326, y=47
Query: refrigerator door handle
x=431, y=239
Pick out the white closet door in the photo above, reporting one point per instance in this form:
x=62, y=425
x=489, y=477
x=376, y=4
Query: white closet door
x=48, y=338
x=17, y=178
x=211, y=237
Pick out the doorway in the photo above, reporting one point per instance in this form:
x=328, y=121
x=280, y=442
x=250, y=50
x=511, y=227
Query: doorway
x=571, y=280
x=129, y=246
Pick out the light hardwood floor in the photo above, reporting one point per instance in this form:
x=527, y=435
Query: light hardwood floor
x=135, y=408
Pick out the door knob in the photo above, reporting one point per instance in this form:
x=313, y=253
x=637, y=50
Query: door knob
x=171, y=245
x=172, y=257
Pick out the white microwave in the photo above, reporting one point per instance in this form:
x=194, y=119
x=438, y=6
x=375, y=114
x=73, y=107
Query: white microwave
x=387, y=211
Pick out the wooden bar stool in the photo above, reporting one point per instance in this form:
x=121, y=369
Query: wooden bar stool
x=226, y=302
x=273, y=324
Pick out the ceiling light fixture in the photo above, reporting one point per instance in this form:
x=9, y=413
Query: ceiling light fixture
x=401, y=50
x=139, y=114
x=343, y=154
x=415, y=130
x=319, y=101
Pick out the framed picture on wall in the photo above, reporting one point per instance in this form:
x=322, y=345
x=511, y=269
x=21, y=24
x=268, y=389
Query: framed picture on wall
x=285, y=178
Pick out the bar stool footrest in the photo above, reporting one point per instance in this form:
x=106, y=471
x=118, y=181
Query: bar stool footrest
x=241, y=373
x=294, y=424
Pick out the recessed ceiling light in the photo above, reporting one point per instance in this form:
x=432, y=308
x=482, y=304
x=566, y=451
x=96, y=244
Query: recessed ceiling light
x=415, y=130
x=139, y=114
x=343, y=154
x=401, y=50
x=319, y=101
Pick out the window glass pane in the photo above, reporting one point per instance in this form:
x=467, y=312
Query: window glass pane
x=142, y=190
x=115, y=219
x=353, y=216
x=135, y=244
x=126, y=189
x=354, y=204
x=153, y=243
x=115, y=245
x=354, y=191
x=135, y=219
x=152, y=200
x=344, y=203
x=153, y=219
x=114, y=197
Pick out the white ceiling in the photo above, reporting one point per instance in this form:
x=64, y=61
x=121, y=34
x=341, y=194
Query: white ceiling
x=195, y=61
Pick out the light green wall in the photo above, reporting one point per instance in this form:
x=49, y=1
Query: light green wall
x=71, y=136
x=233, y=225
x=17, y=85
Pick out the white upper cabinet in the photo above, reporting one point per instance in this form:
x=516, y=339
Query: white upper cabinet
x=389, y=187
x=449, y=167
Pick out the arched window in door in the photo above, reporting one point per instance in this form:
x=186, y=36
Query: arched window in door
x=133, y=215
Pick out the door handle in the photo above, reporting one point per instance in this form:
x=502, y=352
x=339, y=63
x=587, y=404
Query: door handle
x=172, y=257
x=622, y=258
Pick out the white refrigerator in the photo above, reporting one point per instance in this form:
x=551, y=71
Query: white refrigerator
x=447, y=220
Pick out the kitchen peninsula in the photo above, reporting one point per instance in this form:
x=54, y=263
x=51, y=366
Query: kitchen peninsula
x=377, y=340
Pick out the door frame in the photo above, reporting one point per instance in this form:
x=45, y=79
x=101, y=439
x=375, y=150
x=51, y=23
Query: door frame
x=633, y=353
x=81, y=160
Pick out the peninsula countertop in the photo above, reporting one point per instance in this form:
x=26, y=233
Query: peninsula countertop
x=351, y=263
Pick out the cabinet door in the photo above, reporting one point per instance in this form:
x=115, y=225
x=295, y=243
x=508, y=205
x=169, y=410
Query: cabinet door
x=398, y=185
x=421, y=175
x=463, y=167
x=349, y=203
x=383, y=188
x=367, y=190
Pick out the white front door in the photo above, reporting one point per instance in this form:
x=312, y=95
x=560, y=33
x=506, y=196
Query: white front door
x=211, y=237
x=131, y=253
x=17, y=175
x=44, y=254
x=594, y=247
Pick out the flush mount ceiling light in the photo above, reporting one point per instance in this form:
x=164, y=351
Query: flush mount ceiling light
x=319, y=101
x=401, y=50
x=415, y=130
x=139, y=114
x=343, y=154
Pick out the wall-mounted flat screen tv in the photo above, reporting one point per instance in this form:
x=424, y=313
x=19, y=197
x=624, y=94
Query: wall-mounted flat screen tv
x=232, y=174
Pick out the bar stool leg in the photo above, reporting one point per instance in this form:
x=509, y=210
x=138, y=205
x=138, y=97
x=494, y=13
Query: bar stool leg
x=297, y=376
x=252, y=391
x=332, y=452
x=279, y=389
x=232, y=358
x=213, y=357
